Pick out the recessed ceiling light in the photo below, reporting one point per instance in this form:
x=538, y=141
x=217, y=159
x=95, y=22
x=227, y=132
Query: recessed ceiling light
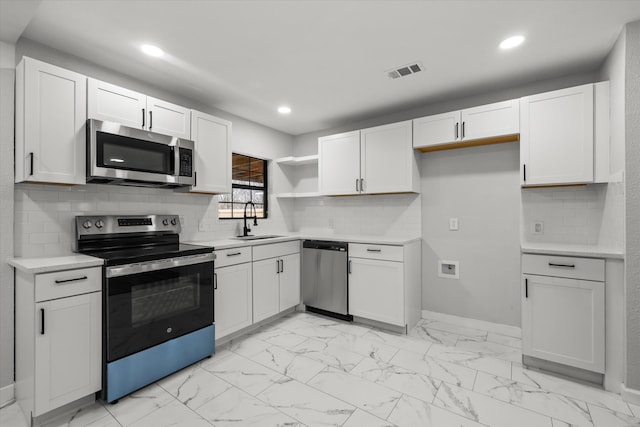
x=152, y=50
x=511, y=42
x=284, y=110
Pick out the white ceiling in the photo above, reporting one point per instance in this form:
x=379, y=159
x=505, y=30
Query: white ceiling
x=326, y=59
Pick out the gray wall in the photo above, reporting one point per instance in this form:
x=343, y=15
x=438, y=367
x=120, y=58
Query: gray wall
x=7, y=77
x=632, y=273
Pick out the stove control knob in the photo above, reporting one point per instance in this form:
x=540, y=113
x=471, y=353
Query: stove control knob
x=86, y=225
x=99, y=223
x=174, y=221
x=165, y=221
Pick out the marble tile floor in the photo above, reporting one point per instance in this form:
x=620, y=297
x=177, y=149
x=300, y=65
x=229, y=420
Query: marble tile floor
x=308, y=370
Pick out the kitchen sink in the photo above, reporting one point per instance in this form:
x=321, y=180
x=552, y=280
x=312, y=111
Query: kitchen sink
x=268, y=236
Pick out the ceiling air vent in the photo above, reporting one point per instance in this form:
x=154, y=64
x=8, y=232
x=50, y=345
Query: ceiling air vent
x=405, y=70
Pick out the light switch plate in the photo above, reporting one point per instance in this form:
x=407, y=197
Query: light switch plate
x=453, y=224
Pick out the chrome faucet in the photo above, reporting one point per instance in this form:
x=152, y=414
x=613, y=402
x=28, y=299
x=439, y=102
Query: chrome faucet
x=245, y=229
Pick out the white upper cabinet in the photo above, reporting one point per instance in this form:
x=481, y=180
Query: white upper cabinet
x=387, y=160
x=370, y=161
x=497, y=122
x=212, y=137
x=112, y=103
x=557, y=141
x=50, y=124
x=339, y=164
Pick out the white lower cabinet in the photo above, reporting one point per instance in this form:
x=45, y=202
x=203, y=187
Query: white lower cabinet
x=563, y=310
x=233, y=299
x=58, y=338
x=384, y=283
x=276, y=278
x=376, y=290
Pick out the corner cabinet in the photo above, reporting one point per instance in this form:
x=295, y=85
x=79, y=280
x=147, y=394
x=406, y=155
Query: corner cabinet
x=58, y=338
x=378, y=160
x=564, y=136
x=385, y=284
x=563, y=311
x=112, y=103
x=276, y=278
x=482, y=125
x=233, y=288
x=212, y=137
x=50, y=125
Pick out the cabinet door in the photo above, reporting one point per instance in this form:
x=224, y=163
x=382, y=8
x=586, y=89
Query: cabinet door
x=233, y=299
x=68, y=352
x=113, y=103
x=436, y=130
x=500, y=118
x=212, y=138
x=387, y=159
x=563, y=321
x=289, y=281
x=376, y=290
x=556, y=137
x=266, y=288
x=168, y=119
x=339, y=164
x=51, y=117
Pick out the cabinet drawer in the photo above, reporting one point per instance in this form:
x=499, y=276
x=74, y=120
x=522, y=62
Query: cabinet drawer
x=232, y=256
x=66, y=283
x=274, y=250
x=561, y=266
x=383, y=252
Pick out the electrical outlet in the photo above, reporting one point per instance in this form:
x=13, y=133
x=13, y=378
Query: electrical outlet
x=538, y=227
x=453, y=224
x=449, y=269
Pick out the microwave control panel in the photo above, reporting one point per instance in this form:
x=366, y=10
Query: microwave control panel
x=186, y=162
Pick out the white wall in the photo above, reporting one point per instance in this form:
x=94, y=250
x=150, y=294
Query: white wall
x=7, y=78
x=632, y=174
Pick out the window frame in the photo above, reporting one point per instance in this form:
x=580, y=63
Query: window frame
x=264, y=189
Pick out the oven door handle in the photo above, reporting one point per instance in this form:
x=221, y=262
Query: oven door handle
x=163, y=264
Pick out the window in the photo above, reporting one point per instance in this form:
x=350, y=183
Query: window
x=248, y=184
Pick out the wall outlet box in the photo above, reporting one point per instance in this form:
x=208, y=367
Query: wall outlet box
x=453, y=224
x=538, y=227
x=449, y=269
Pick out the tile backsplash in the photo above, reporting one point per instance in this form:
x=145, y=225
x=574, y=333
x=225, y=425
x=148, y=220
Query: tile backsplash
x=44, y=214
x=584, y=215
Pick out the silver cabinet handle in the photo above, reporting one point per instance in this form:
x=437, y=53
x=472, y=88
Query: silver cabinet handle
x=374, y=250
x=77, y=279
x=551, y=264
x=235, y=254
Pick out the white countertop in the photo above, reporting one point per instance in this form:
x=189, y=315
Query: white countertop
x=571, y=250
x=375, y=240
x=49, y=264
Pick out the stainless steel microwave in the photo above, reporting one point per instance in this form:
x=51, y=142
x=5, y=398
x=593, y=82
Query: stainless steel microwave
x=122, y=155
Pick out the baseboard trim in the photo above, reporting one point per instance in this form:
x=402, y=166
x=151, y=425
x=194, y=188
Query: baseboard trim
x=7, y=395
x=631, y=395
x=498, y=328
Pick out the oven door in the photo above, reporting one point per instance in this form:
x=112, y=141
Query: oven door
x=152, y=302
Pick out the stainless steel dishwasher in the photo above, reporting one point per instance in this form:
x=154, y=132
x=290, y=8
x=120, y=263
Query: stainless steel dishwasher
x=324, y=278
